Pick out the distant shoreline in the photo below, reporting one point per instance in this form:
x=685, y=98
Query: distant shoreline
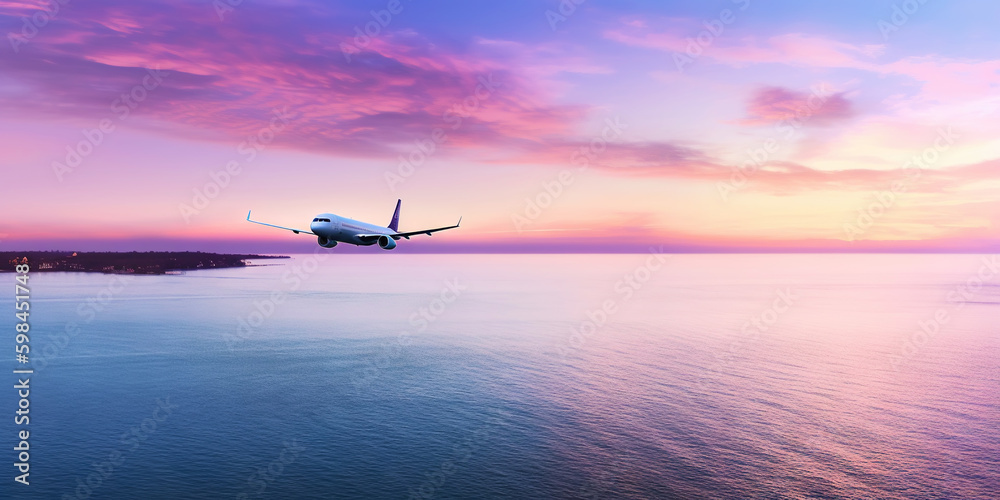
x=126, y=262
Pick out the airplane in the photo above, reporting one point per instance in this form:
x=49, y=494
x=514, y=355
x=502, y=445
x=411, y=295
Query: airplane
x=331, y=229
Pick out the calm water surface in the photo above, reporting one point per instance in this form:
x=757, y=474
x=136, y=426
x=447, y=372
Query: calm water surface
x=495, y=376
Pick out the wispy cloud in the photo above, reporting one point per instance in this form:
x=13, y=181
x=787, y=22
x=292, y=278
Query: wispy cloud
x=769, y=105
x=227, y=77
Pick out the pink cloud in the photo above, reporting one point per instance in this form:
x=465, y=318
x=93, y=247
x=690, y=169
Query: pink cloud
x=223, y=79
x=948, y=80
x=24, y=5
x=797, y=49
x=680, y=35
x=691, y=162
x=943, y=79
x=775, y=104
x=634, y=159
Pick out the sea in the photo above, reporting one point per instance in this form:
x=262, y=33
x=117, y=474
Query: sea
x=387, y=375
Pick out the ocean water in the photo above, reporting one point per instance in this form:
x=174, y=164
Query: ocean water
x=517, y=376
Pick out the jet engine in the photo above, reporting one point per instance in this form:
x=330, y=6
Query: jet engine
x=326, y=243
x=386, y=242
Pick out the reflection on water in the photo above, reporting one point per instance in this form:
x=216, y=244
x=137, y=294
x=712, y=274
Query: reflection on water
x=571, y=376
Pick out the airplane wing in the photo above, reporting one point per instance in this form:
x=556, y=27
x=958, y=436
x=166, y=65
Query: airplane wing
x=396, y=236
x=296, y=231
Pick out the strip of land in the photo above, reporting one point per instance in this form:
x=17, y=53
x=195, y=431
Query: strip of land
x=126, y=262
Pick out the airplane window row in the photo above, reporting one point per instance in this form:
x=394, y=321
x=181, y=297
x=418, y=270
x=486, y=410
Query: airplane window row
x=317, y=219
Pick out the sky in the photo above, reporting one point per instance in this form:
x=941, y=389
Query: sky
x=549, y=126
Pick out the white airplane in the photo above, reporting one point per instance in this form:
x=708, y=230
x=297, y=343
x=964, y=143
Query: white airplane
x=331, y=229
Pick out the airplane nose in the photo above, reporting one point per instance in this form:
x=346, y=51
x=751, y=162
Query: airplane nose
x=319, y=224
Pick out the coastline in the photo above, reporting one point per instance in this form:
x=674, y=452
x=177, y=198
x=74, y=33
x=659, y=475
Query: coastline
x=127, y=262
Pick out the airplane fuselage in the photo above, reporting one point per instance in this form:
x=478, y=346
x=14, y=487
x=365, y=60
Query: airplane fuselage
x=334, y=228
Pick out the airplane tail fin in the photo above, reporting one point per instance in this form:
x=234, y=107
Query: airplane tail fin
x=394, y=223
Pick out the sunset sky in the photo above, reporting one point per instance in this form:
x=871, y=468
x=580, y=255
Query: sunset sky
x=700, y=126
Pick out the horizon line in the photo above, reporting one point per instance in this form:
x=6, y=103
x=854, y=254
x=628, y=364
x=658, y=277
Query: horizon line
x=362, y=251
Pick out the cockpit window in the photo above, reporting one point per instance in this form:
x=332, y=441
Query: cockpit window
x=320, y=219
